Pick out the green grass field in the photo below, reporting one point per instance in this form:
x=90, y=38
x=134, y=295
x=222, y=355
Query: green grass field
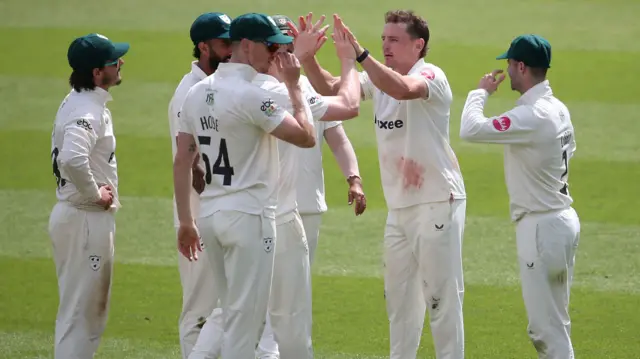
x=594, y=71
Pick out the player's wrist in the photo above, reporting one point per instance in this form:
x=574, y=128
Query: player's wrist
x=186, y=223
x=354, y=179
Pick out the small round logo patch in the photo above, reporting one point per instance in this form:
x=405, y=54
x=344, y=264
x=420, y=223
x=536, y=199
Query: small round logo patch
x=502, y=124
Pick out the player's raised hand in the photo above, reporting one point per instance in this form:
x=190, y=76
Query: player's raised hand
x=344, y=48
x=356, y=193
x=309, y=38
x=106, y=197
x=189, y=241
x=338, y=23
x=288, y=67
x=491, y=81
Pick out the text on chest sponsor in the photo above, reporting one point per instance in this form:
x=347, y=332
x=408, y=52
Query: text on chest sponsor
x=388, y=125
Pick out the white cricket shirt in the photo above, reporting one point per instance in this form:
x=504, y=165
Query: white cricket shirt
x=230, y=119
x=417, y=163
x=310, y=186
x=289, y=154
x=539, y=142
x=83, y=149
x=188, y=80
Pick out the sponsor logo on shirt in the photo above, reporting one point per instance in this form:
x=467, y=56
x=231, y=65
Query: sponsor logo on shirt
x=388, y=125
x=502, y=124
x=268, y=107
x=428, y=74
x=313, y=100
x=84, y=124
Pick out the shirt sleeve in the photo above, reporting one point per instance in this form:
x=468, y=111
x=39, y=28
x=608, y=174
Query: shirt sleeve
x=331, y=124
x=437, y=83
x=366, y=86
x=315, y=101
x=184, y=117
x=80, y=136
x=516, y=126
x=262, y=109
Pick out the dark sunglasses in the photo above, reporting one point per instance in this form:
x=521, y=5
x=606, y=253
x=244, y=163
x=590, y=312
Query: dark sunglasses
x=271, y=46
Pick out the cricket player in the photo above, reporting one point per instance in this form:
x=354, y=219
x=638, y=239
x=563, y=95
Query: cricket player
x=310, y=188
x=234, y=125
x=82, y=222
x=422, y=185
x=288, y=328
x=539, y=142
x=210, y=36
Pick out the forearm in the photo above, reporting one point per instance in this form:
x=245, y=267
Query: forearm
x=299, y=113
x=346, y=158
x=473, y=119
x=76, y=167
x=196, y=161
x=182, y=178
x=349, y=90
x=384, y=78
x=322, y=81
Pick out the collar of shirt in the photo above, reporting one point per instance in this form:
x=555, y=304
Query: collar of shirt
x=97, y=95
x=262, y=78
x=416, y=66
x=534, y=93
x=242, y=71
x=197, y=71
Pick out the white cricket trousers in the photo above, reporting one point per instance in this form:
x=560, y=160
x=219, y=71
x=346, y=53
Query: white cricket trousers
x=423, y=270
x=83, y=252
x=311, y=223
x=196, y=279
x=288, y=329
x=240, y=249
x=547, y=243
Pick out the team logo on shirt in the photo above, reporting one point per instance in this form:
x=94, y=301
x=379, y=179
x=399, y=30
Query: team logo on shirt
x=428, y=74
x=502, y=124
x=268, y=244
x=210, y=98
x=269, y=107
x=84, y=124
x=94, y=262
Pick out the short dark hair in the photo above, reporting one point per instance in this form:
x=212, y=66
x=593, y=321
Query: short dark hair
x=82, y=80
x=417, y=27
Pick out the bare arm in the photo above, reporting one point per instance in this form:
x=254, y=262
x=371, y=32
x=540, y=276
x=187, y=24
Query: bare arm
x=342, y=150
x=322, y=80
x=182, y=176
x=346, y=105
x=400, y=87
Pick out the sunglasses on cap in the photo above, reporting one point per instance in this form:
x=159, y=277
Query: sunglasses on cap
x=112, y=63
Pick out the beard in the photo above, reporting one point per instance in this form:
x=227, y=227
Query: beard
x=215, y=61
x=108, y=80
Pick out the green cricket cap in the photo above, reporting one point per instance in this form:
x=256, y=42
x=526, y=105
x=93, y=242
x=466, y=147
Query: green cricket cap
x=210, y=25
x=94, y=51
x=281, y=22
x=257, y=27
x=532, y=50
